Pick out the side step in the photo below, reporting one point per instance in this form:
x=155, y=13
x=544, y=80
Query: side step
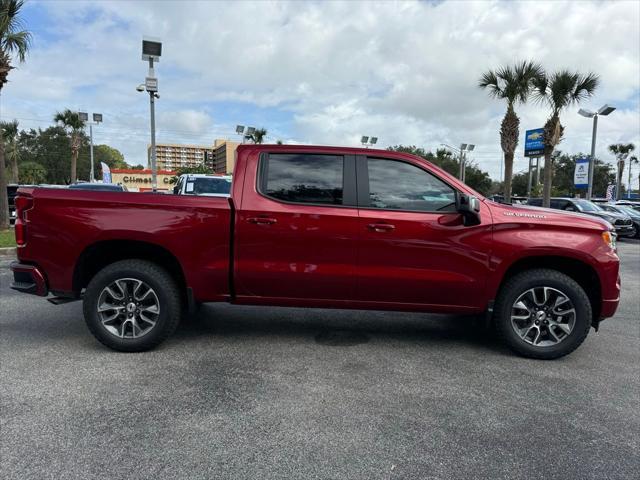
x=61, y=300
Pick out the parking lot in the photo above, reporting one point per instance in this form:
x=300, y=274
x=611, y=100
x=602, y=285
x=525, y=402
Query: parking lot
x=243, y=392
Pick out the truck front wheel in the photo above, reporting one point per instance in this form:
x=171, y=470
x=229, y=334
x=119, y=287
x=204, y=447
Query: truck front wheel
x=542, y=313
x=132, y=305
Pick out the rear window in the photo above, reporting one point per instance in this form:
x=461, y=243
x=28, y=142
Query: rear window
x=303, y=178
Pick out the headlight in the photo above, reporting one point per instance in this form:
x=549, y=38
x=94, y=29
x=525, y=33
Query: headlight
x=610, y=239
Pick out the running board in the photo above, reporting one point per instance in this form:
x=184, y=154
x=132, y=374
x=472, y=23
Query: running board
x=61, y=300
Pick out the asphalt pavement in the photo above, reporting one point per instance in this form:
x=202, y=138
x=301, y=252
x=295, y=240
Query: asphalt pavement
x=253, y=392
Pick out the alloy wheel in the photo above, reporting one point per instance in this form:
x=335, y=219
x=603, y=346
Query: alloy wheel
x=128, y=308
x=543, y=316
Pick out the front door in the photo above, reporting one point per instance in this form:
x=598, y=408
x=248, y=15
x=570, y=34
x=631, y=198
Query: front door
x=414, y=248
x=297, y=228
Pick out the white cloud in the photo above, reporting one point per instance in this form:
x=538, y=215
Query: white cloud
x=404, y=71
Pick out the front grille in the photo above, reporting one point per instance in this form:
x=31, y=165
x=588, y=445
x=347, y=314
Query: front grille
x=623, y=222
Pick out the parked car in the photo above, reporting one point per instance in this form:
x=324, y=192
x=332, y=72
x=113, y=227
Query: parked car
x=514, y=199
x=203, y=184
x=12, y=191
x=98, y=187
x=622, y=223
x=634, y=215
x=325, y=227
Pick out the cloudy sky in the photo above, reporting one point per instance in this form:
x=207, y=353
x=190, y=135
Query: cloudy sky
x=323, y=72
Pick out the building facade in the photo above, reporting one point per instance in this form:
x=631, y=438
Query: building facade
x=140, y=180
x=174, y=156
x=224, y=156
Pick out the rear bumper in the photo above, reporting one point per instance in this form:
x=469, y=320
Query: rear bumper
x=28, y=279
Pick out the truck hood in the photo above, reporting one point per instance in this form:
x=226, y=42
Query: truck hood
x=504, y=213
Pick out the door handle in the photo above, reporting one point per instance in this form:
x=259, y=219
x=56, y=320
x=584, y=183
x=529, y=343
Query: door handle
x=381, y=227
x=262, y=220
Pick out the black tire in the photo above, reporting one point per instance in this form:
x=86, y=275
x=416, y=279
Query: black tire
x=156, y=278
x=526, y=280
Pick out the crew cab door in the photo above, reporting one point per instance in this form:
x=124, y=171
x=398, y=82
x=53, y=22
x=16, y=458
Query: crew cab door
x=297, y=228
x=414, y=248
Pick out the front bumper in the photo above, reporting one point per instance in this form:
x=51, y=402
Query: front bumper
x=624, y=230
x=28, y=279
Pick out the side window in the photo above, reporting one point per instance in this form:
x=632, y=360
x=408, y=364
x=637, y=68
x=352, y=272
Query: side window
x=396, y=185
x=303, y=178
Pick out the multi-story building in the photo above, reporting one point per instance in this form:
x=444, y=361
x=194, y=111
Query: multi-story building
x=172, y=157
x=224, y=156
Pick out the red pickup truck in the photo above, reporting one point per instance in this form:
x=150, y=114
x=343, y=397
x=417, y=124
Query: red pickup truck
x=328, y=227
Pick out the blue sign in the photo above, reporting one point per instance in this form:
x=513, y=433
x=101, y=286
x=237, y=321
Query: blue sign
x=533, y=143
x=581, y=173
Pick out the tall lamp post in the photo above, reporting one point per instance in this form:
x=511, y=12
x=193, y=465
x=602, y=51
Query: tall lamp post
x=604, y=110
x=464, y=147
x=151, y=51
x=97, y=118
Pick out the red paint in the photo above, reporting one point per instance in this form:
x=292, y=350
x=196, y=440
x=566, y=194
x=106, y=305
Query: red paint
x=319, y=256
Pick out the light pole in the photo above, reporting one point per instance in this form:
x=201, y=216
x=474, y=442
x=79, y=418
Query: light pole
x=367, y=141
x=464, y=147
x=604, y=110
x=151, y=51
x=97, y=118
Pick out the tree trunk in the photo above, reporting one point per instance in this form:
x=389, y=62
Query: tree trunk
x=508, y=176
x=509, y=133
x=4, y=201
x=14, y=166
x=74, y=163
x=619, y=179
x=548, y=179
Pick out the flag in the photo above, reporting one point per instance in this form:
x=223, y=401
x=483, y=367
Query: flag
x=106, y=173
x=611, y=195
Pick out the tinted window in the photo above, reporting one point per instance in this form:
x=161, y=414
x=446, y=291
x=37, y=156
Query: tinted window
x=536, y=202
x=398, y=185
x=204, y=185
x=303, y=178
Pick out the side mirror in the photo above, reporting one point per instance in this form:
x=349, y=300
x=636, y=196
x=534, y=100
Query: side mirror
x=176, y=190
x=469, y=207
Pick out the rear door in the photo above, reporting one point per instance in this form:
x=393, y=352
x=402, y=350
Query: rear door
x=296, y=230
x=414, y=248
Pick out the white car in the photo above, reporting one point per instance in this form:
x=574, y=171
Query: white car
x=203, y=184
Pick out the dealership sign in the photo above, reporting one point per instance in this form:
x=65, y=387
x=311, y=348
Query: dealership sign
x=533, y=143
x=581, y=173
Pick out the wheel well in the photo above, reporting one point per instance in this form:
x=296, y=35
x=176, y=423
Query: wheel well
x=579, y=271
x=97, y=256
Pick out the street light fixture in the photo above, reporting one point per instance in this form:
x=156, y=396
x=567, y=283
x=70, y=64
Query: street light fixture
x=151, y=51
x=604, y=110
x=368, y=141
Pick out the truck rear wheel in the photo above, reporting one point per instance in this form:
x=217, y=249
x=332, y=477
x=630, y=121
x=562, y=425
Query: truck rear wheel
x=132, y=305
x=542, y=314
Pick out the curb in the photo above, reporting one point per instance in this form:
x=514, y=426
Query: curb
x=8, y=252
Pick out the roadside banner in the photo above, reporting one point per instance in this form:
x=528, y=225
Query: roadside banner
x=106, y=173
x=534, y=143
x=581, y=173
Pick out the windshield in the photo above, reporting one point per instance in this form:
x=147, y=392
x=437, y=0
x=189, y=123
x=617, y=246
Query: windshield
x=628, y=210
x=209, y=185
x=587, y=206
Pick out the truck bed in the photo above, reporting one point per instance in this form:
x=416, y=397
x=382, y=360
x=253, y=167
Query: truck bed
x=65, y=225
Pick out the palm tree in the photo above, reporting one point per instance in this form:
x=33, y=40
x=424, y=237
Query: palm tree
x=10, y=137
x=74, y=125
x=622, y=152
x=257, y=136
x=513, y=84
x=559, y=91
x=13, y=41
